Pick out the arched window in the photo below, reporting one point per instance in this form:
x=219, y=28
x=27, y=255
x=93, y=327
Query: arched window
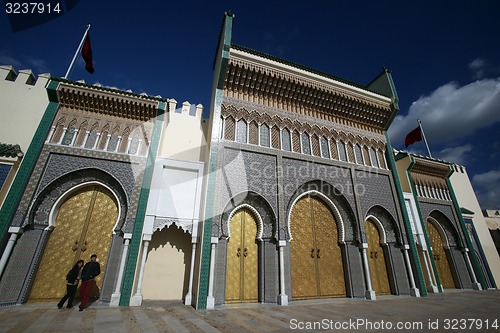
x=264, y=135
x=325, y=151
x=373, y=158
x=358, y=154
x=306, y=144
x=285, y=140
x=241, y=131
x=342, y=152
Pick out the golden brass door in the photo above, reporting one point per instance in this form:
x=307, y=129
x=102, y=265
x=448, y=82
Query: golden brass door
x=316, y=258
x=440, y=259
x=376, y=260
x=242, y=259
x=84, y=225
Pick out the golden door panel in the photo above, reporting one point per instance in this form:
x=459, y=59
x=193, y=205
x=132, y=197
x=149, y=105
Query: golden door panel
x=100, y=228
x=303, y=251
x=250, y=260
x=86, y=211
x=328, y=253
x=376, y=260
x=233, y=265
x=242, y=259
x=440, y=259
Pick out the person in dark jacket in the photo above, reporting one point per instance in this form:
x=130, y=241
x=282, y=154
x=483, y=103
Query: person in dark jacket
x=72, y=277
x=89, y=272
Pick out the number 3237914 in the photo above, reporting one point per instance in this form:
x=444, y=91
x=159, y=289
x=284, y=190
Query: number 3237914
x=32, y=8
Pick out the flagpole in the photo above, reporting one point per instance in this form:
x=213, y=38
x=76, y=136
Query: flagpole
x=70, y=68
x=423, y=135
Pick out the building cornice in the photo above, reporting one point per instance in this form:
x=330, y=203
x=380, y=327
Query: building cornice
x=251, y=77
x=109, y=103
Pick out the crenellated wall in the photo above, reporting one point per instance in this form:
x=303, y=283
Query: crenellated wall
x=24, y=100
x=184, y=134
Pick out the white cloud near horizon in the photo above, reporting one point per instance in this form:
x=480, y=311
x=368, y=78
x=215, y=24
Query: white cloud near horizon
x=451, y=112
x=487, y=189
x=478, y=67
x=456, y=155
x=38, y=66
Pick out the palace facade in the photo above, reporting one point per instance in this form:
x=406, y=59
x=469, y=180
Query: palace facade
x=290, y=190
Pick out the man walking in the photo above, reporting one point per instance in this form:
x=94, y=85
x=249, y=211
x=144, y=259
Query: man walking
x=89, y=272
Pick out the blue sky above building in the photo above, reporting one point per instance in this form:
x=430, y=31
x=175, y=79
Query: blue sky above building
x=444, y=57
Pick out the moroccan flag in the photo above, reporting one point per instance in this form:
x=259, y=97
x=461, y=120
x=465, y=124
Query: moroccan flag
x=87, y=55
x=413, y=136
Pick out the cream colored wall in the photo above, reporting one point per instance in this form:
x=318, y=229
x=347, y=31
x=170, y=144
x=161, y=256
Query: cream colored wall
x=183, y=136
x=401, y=166
x=166, y=275
x=22, y=106
x=467, y=199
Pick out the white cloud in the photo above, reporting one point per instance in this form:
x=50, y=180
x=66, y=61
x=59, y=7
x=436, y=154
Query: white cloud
x=478, y=67
x=451, y=112
x=6, y=60
x=35, y=64
x=487, y=189
x=38, y=65
x=455, y=154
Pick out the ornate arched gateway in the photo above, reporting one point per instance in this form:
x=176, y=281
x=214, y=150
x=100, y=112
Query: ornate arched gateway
x=316, y=258
x=83, y=225
x=242, y=280
x=438, y=242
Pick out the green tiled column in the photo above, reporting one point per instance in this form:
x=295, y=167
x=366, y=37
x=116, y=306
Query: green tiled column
x=29, y=160
x=472, y=254
x=409, y=234
x=135, y=242
x=424, y=226
x=219, y=71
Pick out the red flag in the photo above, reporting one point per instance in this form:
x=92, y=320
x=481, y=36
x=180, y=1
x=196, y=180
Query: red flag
x=413, y=136
x=87, y=55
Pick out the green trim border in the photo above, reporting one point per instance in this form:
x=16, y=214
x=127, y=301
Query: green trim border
x=223, y=54
x=422, y=224
x=472, y=254
x=409, y=234
x=135, y=242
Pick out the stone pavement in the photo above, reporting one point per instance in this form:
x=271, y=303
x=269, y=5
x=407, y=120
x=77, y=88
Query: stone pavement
x=453, y=311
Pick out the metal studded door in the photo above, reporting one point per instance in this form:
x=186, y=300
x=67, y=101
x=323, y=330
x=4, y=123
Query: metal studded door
x=242, y=259
x=84, y=226
x=439, y=254
x=376, y=260
x=316, y=259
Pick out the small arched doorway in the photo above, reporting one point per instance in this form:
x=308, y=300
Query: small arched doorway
x=242, y=280
x=83, y=226
x=439, y=255
x=376, y=259
x=316, y=257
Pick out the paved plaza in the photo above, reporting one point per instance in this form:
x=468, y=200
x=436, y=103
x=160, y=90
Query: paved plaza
x=454, y=311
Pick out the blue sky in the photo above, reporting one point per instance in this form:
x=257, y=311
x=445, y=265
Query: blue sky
x=444, y=57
